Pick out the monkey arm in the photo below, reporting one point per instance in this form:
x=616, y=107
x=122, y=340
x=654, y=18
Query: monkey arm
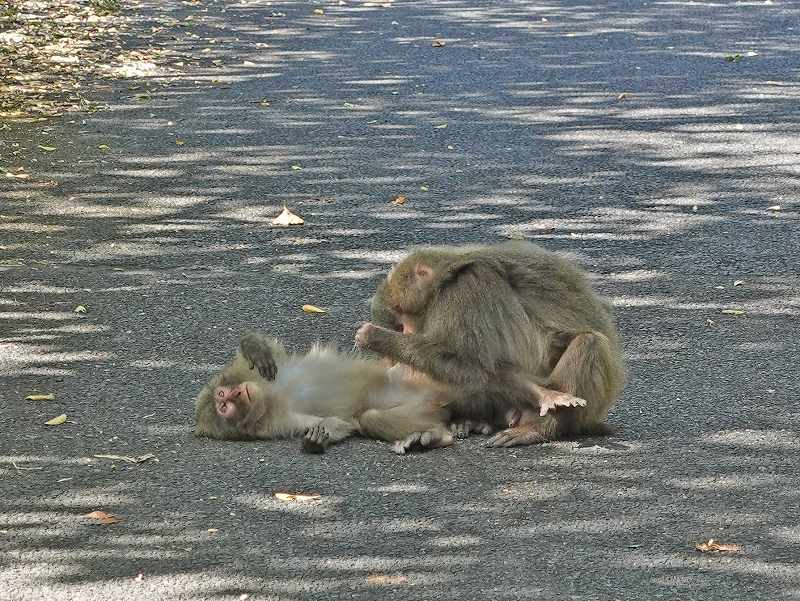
x=431, y=357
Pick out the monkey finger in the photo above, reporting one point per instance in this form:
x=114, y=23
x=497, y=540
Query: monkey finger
x=401, y=447
x=461, y=430
x=515, y=437
x=312, y=447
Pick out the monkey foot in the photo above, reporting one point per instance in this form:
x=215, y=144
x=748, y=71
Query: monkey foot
x=463, y=429
x=553, y=399
x=514, y=437
x=418, y=441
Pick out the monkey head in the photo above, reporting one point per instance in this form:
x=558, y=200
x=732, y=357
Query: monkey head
x=229, y=411
x=409, y=288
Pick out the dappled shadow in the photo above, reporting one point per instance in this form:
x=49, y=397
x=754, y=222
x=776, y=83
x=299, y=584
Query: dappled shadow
x=515, y=128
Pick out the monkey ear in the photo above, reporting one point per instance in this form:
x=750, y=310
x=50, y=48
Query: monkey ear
x=456, y=269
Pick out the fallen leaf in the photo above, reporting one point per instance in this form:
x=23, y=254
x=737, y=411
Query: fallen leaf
x=41, y=397
x=290, y=497
x=287, y=218
x=438, y=43
x=442, y=126
x=738, y=283
x=712, y=546
x=125, y=458
x=79, y=309
x=313, y=309
x=424, y=188
x=319, y=11
x=296, y=167
x=399, y=200
x=57, y=421
x=179, y=142
x=734, y=312
x=388, y=579
x=47, y=148
x=103, y=146
x=622, y=96
x=103, y=517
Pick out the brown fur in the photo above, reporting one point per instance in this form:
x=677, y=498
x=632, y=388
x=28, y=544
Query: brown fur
x=502, y=320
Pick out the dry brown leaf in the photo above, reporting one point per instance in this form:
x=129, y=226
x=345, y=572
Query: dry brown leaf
x=713, y=546
x=313, y=309
x=437, y=43
x=41, y=397
x=287, y=218
x=399, y=200
x=290, y=497
x=734, y=312
x=102, y=517
x=387, y=579
x=57, y=421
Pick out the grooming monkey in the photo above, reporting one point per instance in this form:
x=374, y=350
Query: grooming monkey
x=515, y=326
x=265, y=392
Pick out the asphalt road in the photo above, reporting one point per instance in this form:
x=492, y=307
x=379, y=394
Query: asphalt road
x=165, y=239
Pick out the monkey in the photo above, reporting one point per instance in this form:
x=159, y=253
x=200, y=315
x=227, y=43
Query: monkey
x=265, y=392
x=513, y=321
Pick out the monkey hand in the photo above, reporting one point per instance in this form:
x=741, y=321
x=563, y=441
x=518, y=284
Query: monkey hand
x=257, y=349
x=364, y=334
x=376, y=339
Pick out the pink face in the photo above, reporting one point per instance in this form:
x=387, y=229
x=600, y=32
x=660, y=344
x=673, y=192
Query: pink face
x=226, y=397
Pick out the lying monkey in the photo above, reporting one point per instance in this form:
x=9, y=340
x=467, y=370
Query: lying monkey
x=265, y=392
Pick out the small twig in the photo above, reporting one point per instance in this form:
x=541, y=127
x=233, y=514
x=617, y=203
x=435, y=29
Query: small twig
x=25, y=469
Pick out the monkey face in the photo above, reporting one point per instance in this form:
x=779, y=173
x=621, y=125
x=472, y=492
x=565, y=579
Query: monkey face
x=233, y=403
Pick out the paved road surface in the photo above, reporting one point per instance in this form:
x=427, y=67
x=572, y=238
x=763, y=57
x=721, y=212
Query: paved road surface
x=665, y=194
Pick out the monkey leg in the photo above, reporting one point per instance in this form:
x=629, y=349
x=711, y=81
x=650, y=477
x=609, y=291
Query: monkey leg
x=578, y=389
x=417, y=441
x=400, y=422
x=328, y=431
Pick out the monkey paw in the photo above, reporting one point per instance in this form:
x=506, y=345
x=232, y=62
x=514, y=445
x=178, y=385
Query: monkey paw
x=463, y=429
x=553, y=399
x=418, y=441
x=256, y=349
x=514, y=437
x=363, y=334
